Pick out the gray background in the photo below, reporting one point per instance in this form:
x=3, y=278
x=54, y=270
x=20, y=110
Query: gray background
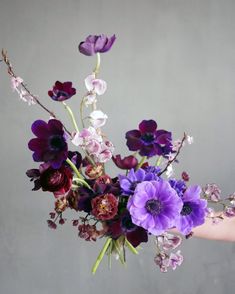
x=173, y=61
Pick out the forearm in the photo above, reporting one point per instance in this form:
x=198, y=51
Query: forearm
x=223, y=231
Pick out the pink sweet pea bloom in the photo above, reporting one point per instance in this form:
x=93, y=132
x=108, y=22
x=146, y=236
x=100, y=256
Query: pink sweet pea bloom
x=94, y=85
x=98, y=118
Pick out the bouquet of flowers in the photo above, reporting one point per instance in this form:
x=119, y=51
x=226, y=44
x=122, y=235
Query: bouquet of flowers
x=143, y=200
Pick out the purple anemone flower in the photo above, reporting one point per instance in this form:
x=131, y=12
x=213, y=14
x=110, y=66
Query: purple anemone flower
x=50, y=145
x=193, y=212
x=128, y=183
x=62, y=91
x=96, y=44
x=154, y=206
x=148, y=140
x=179, y=186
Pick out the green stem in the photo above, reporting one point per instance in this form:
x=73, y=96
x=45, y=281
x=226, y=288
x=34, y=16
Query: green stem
x=101, y=255
x=97, y=67
x=141, y=162
x=71, y=116
x=159, y=161
x=131, y=247
x=81, y=180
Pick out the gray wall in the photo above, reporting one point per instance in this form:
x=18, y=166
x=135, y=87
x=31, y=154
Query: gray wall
x=174, y=61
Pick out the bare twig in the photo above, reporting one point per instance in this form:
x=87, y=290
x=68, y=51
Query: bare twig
x=35, y=98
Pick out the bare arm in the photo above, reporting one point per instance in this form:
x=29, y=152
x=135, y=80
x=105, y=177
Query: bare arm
x=223, y=231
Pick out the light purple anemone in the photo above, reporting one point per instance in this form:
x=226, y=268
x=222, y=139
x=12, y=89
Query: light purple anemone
x=154, y=206
x=128, y=183
x=193, y=212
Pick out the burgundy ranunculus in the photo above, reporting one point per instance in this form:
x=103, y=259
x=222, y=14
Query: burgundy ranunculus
x=50, y=145
x=148, y=140
x=62, y=91
x=104, y=207
x=127, y=162
x=96, y=44
x=58, y=181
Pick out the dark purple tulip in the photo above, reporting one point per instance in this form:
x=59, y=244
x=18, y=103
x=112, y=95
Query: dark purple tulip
x=148, y=140
x=127, y=162
x=62, y=91
x=50, y=145
x=96, y=44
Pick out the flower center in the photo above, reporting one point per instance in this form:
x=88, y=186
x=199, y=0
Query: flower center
x=147, y=138
x=187, y=209
x=153, y=206
x=56, y=142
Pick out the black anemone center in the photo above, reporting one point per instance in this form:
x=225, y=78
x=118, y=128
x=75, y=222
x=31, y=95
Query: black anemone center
x=56, y=143
x=148, y=138
x=62, y=93
x=153, y=206
x=127, y=224
x=187, y=209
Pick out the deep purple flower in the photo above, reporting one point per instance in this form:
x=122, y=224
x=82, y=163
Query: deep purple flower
x=154, y=206
x=124, y=226
x=127, y=162
x=128, y=183
x=76, y=158
x=178, y=185
x=148, y=140
x=96, y=44
x=50, y=145
x=193, y=212
x=62, y=91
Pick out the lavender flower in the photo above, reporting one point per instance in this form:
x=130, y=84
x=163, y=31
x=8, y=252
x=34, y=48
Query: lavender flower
x=148, y=140
x=193, y=212
x=50, y=145
x=96, y=44
x=62, y=91
x=128, y=183
x=179, y=186
x=154, y=206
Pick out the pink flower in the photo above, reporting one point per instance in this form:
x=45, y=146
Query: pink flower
x=175, y=260
x=169, y=241
x=93, y=147
x=16, y=82
x=213, y=192
x=94, y=85
x=98, y=118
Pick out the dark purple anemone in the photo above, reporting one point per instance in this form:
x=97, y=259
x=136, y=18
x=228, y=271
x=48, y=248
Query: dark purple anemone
x=148, y=140
x=124, y=226
x=62, y=91
x=193, y=212
x=50, y=145
x=96, y=44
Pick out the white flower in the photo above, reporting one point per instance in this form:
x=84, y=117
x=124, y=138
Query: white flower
x=190, y=139
x=98, y=118
x=90, y=99
x=94, y=85
x=169, y=171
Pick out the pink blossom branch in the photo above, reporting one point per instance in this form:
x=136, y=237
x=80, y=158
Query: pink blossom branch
x=35, y=98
